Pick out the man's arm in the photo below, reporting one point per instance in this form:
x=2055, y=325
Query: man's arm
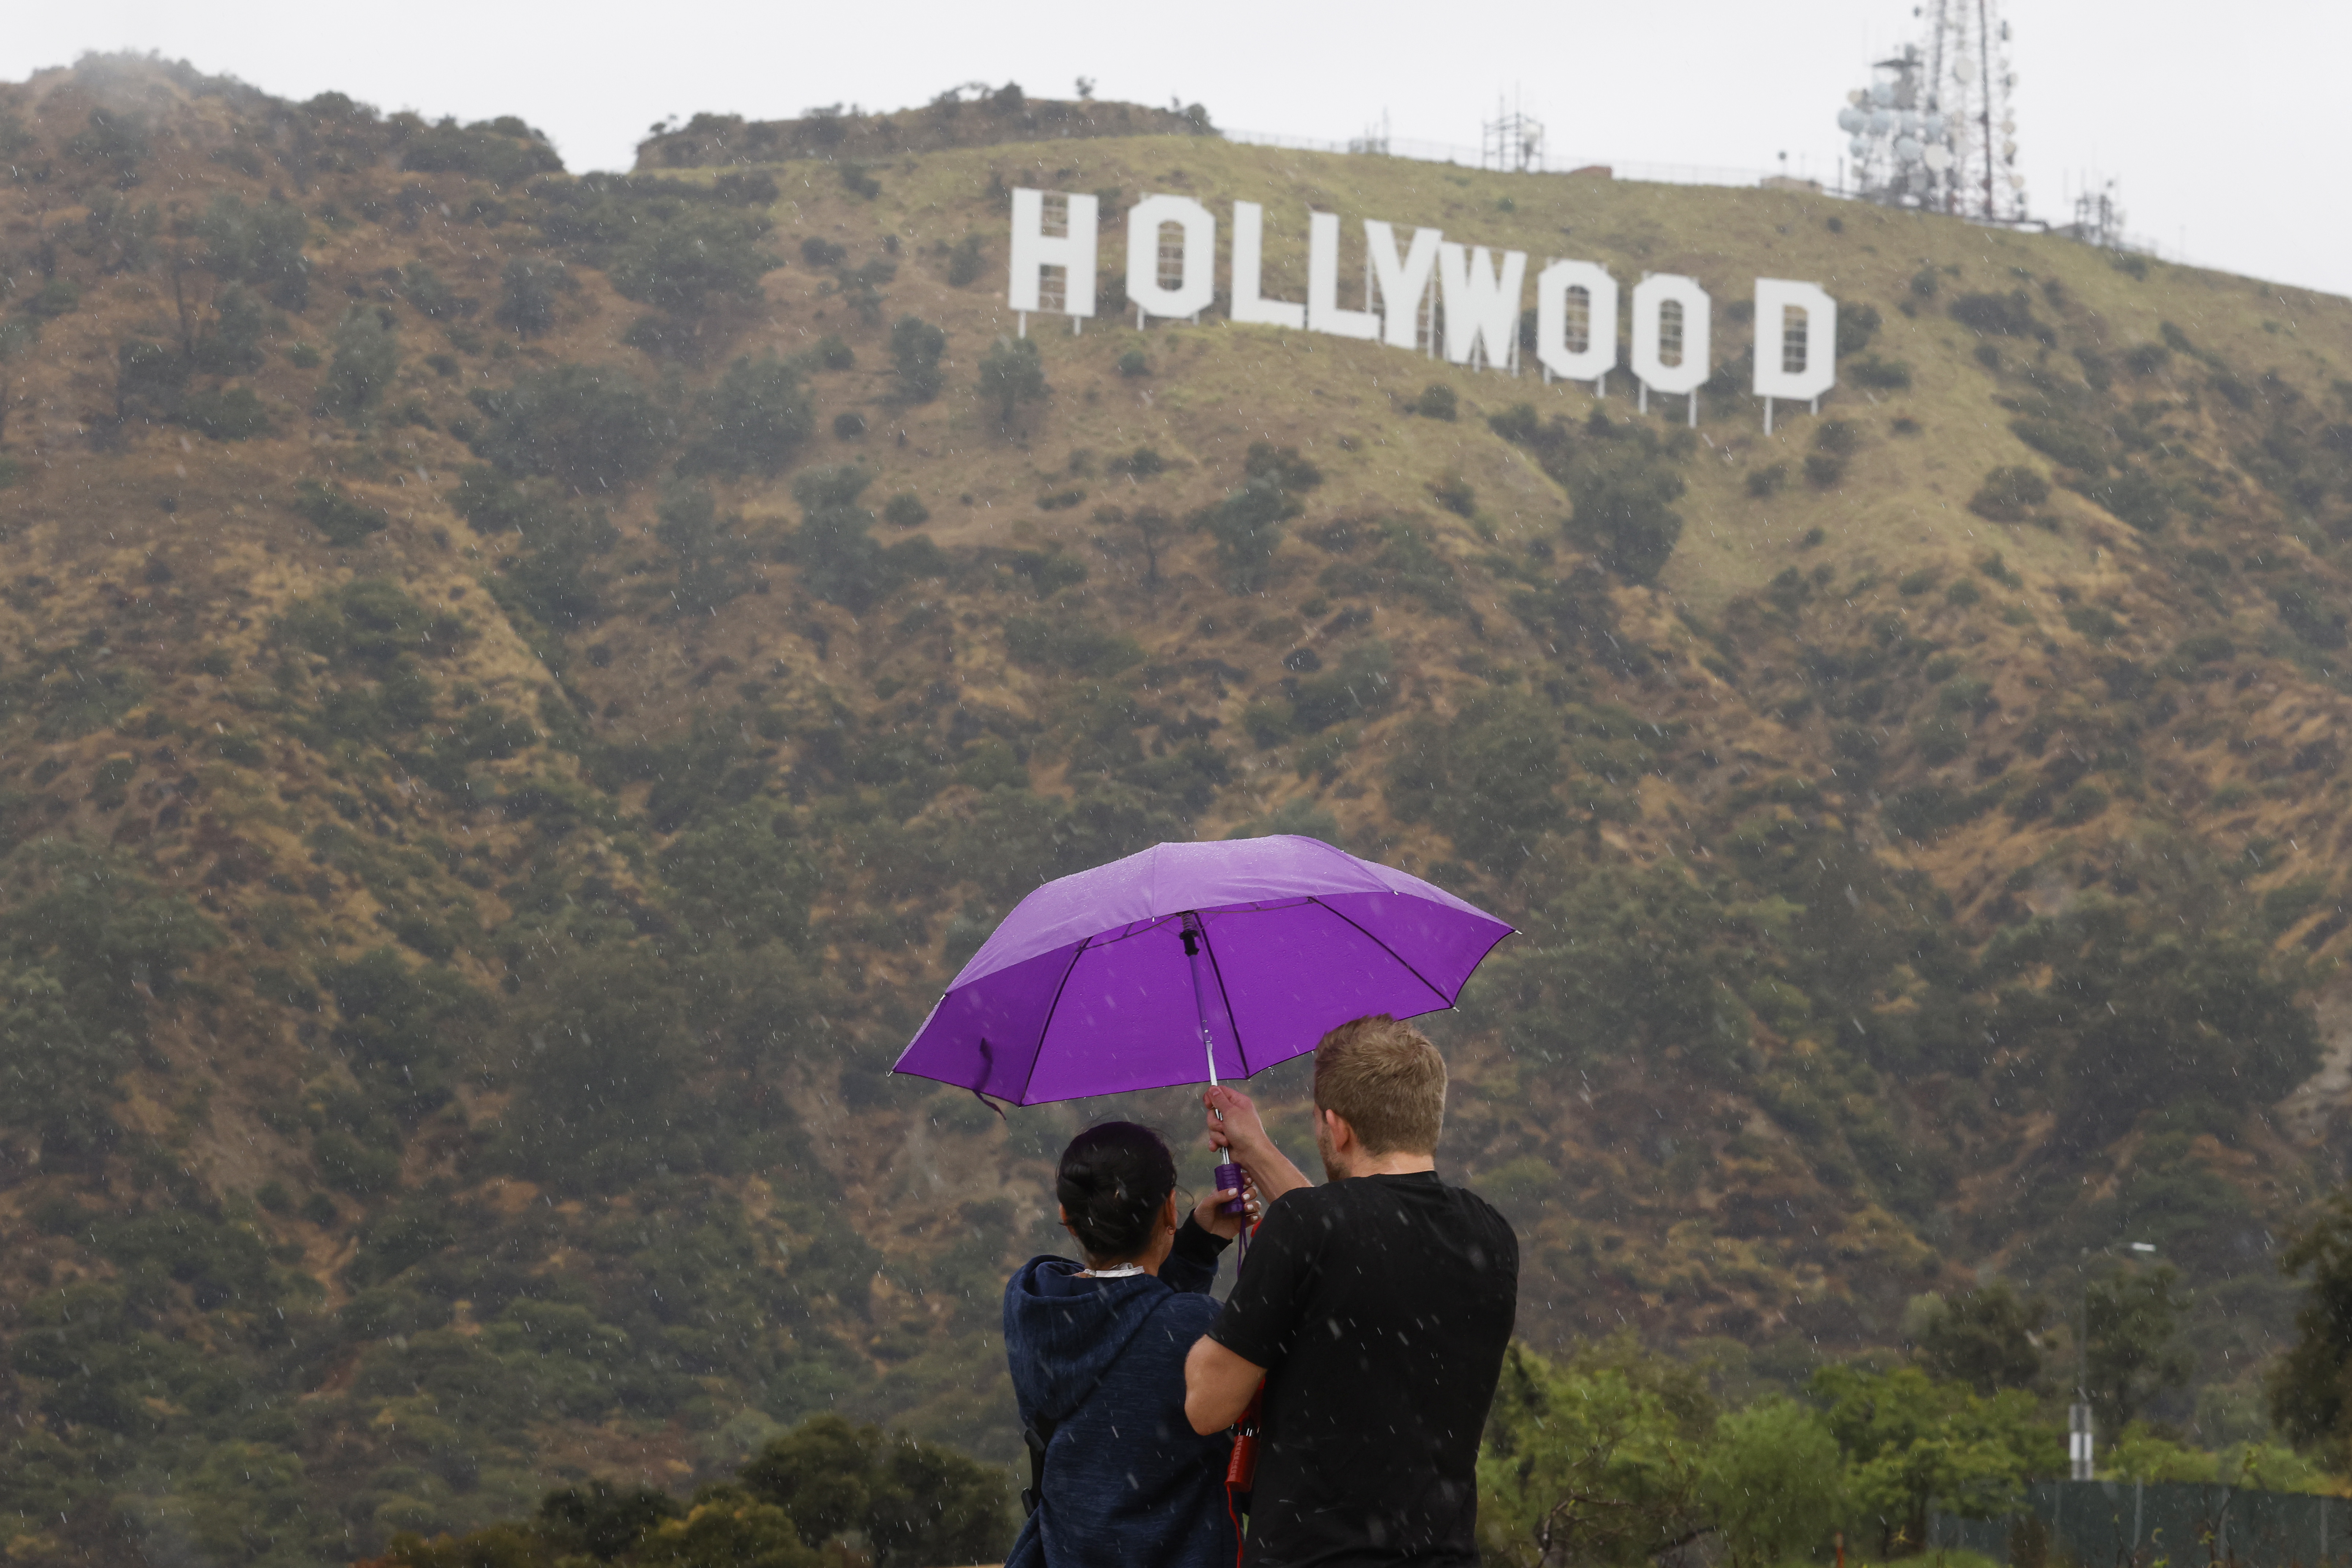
x=1217, y=1385
x=1235, y=1127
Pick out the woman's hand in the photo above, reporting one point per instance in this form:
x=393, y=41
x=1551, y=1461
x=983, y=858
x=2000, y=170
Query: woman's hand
x=1210, y=1214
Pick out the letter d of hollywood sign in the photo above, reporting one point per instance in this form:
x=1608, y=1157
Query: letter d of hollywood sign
x=1171, y=258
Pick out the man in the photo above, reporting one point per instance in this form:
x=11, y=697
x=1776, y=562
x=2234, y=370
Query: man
x=1376, y=1308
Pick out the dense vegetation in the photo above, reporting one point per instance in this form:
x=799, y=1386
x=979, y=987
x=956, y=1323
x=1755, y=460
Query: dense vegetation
x=517, y=690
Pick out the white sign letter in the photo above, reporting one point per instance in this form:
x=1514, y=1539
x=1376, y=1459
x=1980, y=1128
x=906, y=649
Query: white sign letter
x=1555, y=336
x=1401, y=283
x=1196, y=281
x=1249, y=247
x=1662, y=302
x=1801, y=364
x=1034, y=250
x=1323, y=312
x=1480, y=307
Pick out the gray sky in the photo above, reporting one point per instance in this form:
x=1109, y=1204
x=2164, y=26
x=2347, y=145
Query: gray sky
x=2161, y=95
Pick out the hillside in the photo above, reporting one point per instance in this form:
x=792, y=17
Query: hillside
x=518, y=690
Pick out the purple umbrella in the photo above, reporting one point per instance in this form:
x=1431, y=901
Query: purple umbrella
x=1235, y=955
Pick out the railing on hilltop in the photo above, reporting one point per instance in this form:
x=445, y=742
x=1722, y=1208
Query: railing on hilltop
x=1471, y=158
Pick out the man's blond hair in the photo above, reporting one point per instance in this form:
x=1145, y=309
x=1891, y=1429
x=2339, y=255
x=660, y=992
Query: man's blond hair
x=1387, y=1081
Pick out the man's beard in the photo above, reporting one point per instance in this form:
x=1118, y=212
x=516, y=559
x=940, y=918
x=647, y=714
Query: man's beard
x=1332, y=1170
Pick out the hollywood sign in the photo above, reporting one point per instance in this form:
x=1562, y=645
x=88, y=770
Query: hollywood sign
x=1435, y=295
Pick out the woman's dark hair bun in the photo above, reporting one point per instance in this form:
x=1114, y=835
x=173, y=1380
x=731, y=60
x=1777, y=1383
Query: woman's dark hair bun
x=1113, y=1179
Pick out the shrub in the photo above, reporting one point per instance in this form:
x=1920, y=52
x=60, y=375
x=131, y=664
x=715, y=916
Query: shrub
x=685, y=264
x=1436, y=401
x=1856, y=325
x=916, y=347
x=1132, y=365
x=906, y=511
x=2136, y=495
x=834, y=355
x=331, y=510
x=964, y=262
x=366, y=358
x=1067, y=643
x=2010, y=494
x=504, y=151
x=232, y=414
x=1767, y=481
x=1011, y=375
x=590, y=426
x=1142, y=463
x=1885, y=374
x=756, y=419
x=820, y=252
x=527, y=292
x=149, y=380
x=1455, y=495
x=849, y=426
x=2002, y=315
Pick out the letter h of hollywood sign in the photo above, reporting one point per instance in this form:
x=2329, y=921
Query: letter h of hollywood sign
x=1173, y=275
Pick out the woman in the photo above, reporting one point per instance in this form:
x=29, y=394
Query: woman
x=1097, y=1355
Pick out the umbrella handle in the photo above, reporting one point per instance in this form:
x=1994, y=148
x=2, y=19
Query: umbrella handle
x=1196, y=943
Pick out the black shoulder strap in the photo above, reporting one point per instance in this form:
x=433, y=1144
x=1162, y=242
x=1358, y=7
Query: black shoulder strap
x=1037, y=1434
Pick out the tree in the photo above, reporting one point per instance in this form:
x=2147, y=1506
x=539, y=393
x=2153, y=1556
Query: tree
x=916, y=347
x=1624, y=510
x=1773, y=1482
x=527, y=295
x=1247, y=527
x=712, y=557
x=1911, y=1442
x=2132, y=1322
x=56, y=1077
x=1984, y=1338
x=2310, y=1385
x=1011, y=376
x=1595, y=1460
x=839, y=561
x=756, y=417
x=367, y=356
x=232, y=344
x=261, y=245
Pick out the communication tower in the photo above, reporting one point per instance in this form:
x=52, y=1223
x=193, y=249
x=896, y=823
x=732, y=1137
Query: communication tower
x=1513, y=141
x=1935, y=129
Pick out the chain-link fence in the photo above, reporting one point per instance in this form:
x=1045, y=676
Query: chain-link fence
x=2154, y=1525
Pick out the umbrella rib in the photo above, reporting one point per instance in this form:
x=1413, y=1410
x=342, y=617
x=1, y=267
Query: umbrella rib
x=1384, y=947
x=1051, y=1008
x=1240, y=1054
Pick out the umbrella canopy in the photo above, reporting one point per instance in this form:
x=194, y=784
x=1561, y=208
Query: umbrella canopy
x=1104, y=981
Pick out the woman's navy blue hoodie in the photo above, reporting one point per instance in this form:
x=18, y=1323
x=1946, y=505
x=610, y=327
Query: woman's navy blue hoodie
x=1128, y=1480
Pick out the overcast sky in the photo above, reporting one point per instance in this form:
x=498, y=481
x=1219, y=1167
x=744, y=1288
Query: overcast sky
x=2215, y=120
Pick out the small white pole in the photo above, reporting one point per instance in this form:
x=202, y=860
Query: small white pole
x=1022, y=329
x=1642, y=396
x=1693, y=400
x=1817, y=406
x=1077, y=324
x=1768, y=417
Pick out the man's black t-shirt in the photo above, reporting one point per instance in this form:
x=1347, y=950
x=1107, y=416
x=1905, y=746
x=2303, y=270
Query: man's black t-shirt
x=1381, y=1307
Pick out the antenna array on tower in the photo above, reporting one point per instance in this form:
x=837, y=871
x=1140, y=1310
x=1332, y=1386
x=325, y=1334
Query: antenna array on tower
x=1934, y=129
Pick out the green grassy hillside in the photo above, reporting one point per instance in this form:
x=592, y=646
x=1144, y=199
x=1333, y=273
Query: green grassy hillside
x=517, y=691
